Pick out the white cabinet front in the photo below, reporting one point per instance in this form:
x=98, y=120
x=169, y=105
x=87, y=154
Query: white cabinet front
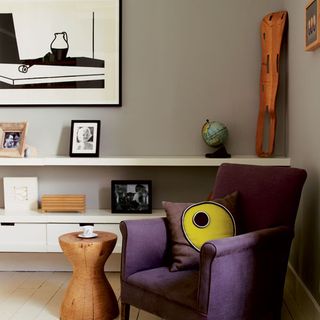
x=16, y=237
x=55, y=230
x=114, y=228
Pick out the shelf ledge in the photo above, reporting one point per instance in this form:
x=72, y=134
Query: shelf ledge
x=179, y=161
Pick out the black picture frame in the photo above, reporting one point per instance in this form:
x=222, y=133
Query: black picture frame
x=88, y=73
x=85, y=138
x=124, y=192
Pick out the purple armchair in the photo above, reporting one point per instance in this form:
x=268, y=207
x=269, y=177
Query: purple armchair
x=239, y=278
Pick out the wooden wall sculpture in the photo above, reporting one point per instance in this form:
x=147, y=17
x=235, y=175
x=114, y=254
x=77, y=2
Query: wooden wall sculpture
x=272, y=29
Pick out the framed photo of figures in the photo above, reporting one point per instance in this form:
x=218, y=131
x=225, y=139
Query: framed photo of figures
x=12, y=139
x=131, y=196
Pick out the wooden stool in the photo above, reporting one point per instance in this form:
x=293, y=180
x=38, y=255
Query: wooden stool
x=89, y=295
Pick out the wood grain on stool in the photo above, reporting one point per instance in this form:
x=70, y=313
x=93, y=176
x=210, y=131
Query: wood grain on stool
x=89, y=295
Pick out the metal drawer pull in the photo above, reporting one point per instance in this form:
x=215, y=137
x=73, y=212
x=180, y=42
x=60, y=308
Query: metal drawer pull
x=6, y=224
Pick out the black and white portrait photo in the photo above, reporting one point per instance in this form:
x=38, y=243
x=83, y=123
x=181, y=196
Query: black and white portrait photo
x=131, y=196
x=11, y=140
x=85, y=139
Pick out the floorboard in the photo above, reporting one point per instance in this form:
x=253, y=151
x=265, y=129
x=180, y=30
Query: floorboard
x=38, y=296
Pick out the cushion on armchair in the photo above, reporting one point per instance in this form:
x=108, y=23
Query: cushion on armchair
x=184, y=253
x=205, y=221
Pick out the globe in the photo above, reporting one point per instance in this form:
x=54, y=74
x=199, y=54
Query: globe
x=214, y=133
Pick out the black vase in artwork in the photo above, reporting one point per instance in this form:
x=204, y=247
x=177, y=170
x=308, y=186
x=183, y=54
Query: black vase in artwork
x=60, y=46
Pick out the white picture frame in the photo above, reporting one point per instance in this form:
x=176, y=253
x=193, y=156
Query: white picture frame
x=20, y=193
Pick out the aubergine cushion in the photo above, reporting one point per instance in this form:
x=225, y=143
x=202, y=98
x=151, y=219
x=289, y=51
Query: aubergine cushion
x=184, y=256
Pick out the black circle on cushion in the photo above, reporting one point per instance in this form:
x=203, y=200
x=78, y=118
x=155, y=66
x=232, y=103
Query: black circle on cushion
x=201, y=219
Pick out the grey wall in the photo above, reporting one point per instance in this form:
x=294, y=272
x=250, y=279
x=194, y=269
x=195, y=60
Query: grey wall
x=303, y=137
x=183, y=61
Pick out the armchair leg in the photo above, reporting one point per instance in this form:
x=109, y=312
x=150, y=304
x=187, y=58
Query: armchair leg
x=125, y=311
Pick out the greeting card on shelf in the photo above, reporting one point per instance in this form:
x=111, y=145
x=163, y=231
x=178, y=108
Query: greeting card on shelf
x=20, y=193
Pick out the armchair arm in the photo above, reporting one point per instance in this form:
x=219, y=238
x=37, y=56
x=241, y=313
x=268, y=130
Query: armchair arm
x=244, y=272
x=144, y=245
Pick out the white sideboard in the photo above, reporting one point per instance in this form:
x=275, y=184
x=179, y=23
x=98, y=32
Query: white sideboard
x=34, y=231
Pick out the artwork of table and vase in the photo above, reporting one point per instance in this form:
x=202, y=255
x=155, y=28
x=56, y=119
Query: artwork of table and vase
x=70, y=50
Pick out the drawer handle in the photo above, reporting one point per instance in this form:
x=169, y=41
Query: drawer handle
x=86, y=224
x=6, y=224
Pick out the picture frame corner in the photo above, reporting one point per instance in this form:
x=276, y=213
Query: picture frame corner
x=312, y=26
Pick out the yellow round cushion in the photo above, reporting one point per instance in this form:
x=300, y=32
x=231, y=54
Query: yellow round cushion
x=206, y=221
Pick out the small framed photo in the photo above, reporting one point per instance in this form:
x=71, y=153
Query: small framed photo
x=12, y=139
x=85, y=138
x=131, y=196
x=312, y=31
x=20, y=193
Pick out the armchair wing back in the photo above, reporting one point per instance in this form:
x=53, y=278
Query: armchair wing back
x=268, y=196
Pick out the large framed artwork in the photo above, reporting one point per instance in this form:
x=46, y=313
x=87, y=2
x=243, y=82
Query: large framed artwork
x=60, y=52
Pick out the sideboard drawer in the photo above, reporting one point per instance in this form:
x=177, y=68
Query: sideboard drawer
x=18, y=237
x=54, y=231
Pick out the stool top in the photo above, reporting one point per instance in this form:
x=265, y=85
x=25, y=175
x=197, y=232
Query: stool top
x=102, y=237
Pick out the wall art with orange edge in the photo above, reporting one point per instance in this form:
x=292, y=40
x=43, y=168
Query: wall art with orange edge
x=312, y=30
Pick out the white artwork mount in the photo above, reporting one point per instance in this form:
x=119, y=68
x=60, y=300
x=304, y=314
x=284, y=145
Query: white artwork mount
x=60, y=53
x=20, y=193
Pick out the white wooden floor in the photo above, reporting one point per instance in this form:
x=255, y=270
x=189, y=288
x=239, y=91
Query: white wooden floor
x=38, y=295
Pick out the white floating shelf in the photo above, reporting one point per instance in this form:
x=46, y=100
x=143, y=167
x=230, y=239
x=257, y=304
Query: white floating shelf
x=182, y=161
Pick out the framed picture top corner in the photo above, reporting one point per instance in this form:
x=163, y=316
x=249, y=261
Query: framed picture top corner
x=61, y=53
x=312, y=28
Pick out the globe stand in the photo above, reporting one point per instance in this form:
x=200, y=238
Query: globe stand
x=221, y=152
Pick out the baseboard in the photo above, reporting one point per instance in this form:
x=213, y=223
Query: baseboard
x=298, y=299
x=46, y=262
